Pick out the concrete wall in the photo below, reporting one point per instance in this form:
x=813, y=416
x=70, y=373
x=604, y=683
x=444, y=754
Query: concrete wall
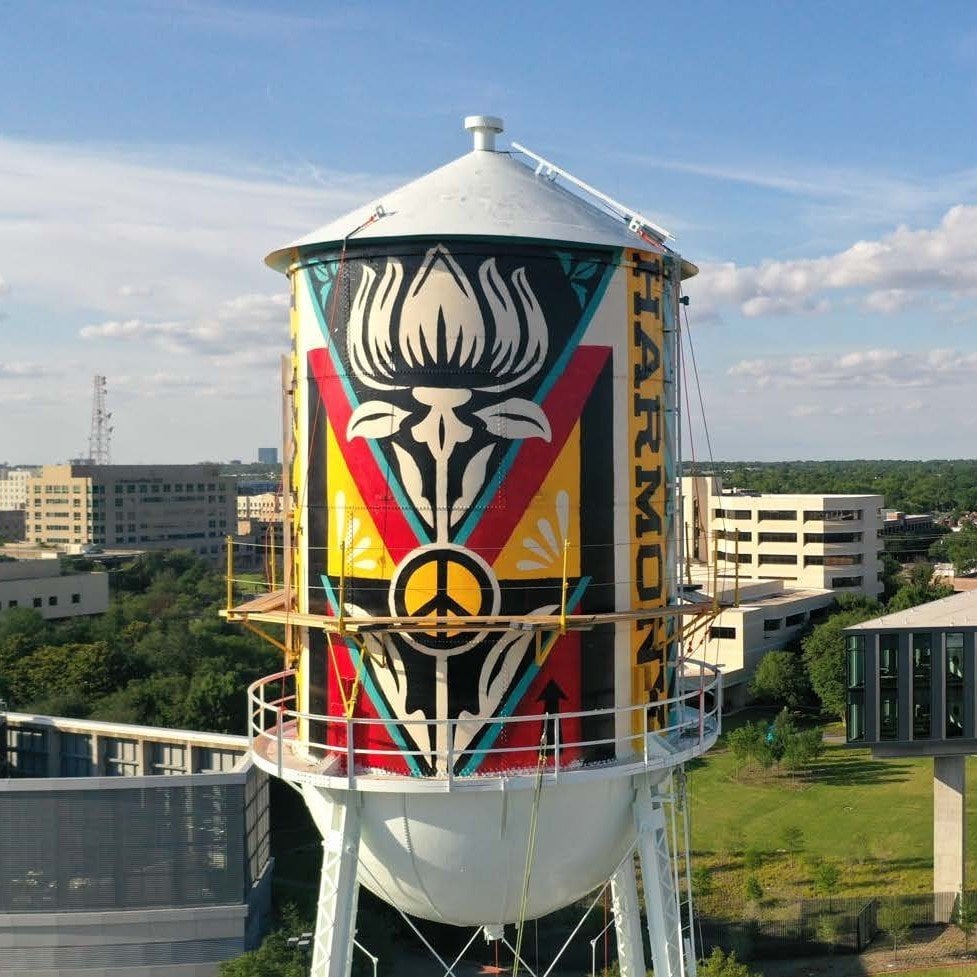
x=753, y=632
x=127, y=872
x=39, y=585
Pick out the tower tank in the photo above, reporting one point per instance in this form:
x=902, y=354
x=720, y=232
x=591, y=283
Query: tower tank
x=482, y=691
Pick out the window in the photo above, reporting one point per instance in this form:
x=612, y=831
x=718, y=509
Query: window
x=839, y=583
x=731, y=513
x=721, y=632
x=889, y=715
x=832, y=515
x=773, y=624
x=777, y=514
x=832, y=537
x=733, y=534
x=734, y=557
x=38, y=602
x=855, y=655
x=794, y=619
x=922, y=651
x=778, y=537
x=845, y=560
x=76, y=598
x=888, y=661
x=12, y=603
x=780, y=559
x=954, y=684
x=52, y=601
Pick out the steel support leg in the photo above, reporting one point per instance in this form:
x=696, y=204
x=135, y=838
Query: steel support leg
x=339, y=824
x=627, y=921
x=661, y=899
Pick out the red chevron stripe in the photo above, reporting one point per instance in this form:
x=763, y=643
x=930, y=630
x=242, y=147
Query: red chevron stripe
x=563, y=408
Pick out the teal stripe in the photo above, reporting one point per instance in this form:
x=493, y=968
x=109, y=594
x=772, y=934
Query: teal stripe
x=373, y=692
x=405, y=507
x=489, y=492
x=515, y=696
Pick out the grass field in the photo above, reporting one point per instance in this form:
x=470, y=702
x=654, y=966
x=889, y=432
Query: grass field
x=872, y=818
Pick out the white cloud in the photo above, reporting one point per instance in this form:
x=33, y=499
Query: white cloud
x=239, y=324
x=97, y=228
x=857, y=410
x=134, y=291
x=897, y=269
x=23, y=371
x=860, y=369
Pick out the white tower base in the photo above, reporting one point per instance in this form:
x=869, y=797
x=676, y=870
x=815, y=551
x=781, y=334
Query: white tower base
x=661, y=894
x=335, y=929
x=627, y=920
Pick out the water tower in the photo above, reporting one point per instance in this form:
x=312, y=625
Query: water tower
x=483, y=700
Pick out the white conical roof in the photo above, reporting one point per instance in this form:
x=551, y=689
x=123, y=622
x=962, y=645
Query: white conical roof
x=484, y=194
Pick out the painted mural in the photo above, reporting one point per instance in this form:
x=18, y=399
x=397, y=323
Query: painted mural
x=461, y=446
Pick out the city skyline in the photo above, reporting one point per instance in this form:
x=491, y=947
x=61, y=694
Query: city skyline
x=811, y=162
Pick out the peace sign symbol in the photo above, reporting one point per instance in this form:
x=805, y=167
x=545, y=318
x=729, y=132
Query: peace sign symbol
x=445, y=581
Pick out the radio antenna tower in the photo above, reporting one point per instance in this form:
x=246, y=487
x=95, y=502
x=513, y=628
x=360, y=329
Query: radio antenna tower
x=100, y=439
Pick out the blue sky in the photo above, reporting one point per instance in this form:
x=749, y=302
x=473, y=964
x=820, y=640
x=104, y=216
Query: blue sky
x=817, y=161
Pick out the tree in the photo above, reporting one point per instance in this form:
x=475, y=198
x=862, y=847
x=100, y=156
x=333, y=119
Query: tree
x=701, y=882
x=896, y=920
x=274, y=958
x=753, y=889
x=753, y=858
x=918, y=589
x=748, y=744
x=793, y=838
x=824, y=654
x=965, y=917
x=719, y=964
x=826, y=879
x=961, y=548
x=780, y=678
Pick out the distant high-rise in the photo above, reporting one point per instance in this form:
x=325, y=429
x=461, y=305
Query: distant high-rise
x=267, y=456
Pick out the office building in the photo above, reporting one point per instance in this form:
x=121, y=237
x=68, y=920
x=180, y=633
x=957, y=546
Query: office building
x=757, y=616
x=138, y=852
x=267, y=456
x=40, y=585
x=912, y=691
x=137, y=507
x=811, y=542
x=265, y=506
x=13, y=487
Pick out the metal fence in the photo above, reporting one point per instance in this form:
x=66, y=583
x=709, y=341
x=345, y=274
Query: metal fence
x=818, y=927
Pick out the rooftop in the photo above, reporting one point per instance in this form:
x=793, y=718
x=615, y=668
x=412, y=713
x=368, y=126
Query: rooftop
x=959, y=610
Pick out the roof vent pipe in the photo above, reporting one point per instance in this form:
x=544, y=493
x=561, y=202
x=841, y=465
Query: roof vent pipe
x=484, y=129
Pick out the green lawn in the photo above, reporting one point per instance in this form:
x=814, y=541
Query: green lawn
x=872, y=818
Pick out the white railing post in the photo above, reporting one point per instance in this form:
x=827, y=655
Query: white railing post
x=281, y=744
x=702, y=713
x=556, y=747
x=350, y=755
x=450, y=754
x=645, y=734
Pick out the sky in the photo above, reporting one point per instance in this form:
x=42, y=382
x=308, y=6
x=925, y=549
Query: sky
x=817, y=161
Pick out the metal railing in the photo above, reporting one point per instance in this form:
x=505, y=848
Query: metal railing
x=340, y=751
